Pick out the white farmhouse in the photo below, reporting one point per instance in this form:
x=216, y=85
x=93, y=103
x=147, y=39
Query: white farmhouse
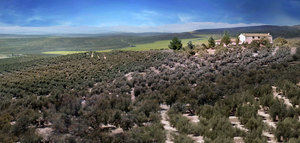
x=249, y=37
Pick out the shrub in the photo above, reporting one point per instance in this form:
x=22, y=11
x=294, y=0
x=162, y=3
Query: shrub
x=181, y=138
x=278, y=109
x=280, y=41
x=255, y=44
x=211, y=42
x=226, y=38
x=287, y=129
x=264, y=41
x=204, y=46
x=153, y=133
x=175, y=44
x=181, y=123
x=190, y=45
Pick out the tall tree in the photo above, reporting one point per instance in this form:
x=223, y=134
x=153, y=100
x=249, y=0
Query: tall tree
x=226, y=38
x=211, y=42
x=190, y=45
x=237, y=40
x=175, y=44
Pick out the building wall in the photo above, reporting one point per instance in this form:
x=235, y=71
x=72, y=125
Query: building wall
x=270, y=39
x=249, y=39
x=242, y=38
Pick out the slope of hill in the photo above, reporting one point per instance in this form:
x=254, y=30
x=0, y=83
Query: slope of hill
x=276, y=31
x=37, y=45
x=118, y=97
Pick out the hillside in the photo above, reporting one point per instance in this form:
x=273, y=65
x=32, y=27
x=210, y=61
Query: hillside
x=41, y=44
x=151, y=96
x=276, y=31
x=37, y=45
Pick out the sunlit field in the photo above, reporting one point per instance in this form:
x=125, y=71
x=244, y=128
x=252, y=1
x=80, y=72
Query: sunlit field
x=70, y=52
x=63, y=52
x=3, y=56
x=163, y=44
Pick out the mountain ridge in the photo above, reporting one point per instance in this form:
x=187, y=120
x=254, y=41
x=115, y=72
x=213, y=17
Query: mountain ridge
x=275, y=31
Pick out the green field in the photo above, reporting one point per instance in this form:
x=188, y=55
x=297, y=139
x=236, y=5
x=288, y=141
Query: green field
x=38, y=45
x=63, y=52
x=2, y=56
x=74, y=45
x=163, y=44
x=70, y=52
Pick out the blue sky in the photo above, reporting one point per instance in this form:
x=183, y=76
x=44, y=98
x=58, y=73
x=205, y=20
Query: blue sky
x=88, y=16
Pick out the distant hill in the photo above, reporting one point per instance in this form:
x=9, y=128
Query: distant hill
x=35, y=44
x=276, y=31
x=297, y=26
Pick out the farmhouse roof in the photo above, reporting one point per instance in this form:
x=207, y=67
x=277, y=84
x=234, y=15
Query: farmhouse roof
x=232, y=40
x=256, y=34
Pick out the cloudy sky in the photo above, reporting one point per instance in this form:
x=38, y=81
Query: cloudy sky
x=98, y=16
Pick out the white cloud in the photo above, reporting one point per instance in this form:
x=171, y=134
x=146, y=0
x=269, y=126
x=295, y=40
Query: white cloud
x=184, y=18
x=149, y=12
x=145, y=15
x=94, y=30
x=51, y=30
x=34, y=18
x=180, y=27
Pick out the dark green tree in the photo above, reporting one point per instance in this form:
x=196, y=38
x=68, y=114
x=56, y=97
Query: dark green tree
x=175, y=44
x=265, y=42
x=237, y=40
x=287, y=129
x=190, y=45
x=211, y=42
x=255, y=44
x=226, y=38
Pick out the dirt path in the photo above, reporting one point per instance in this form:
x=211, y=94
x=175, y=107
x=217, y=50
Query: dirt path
x=236, y=123
x=155, y=70
x=197, y=139
x=194, y=119
x=267, y=119
x=211, y=51
x=132, y=95
x=275, y=51
x=238, y=140
x=129, y=76
x=270, y=136
x=45, y=133
x=293, y=50
x=166, y=123
x=277, y=95
x=285, y=100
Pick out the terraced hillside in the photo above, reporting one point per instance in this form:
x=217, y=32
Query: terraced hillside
x=153, y=96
